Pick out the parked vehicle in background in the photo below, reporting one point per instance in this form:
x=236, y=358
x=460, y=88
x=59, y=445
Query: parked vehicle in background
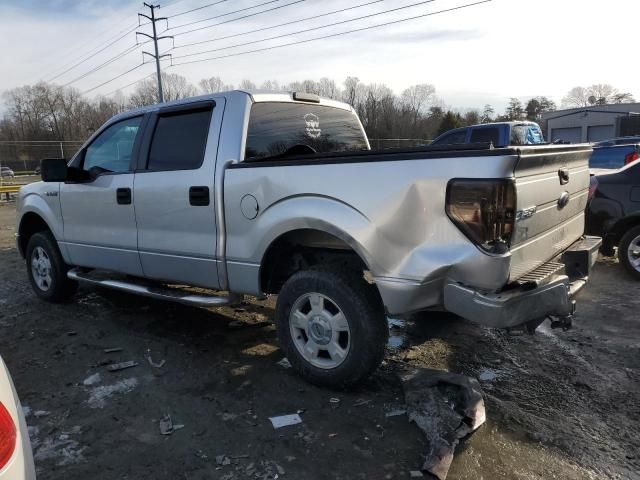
x=618, y=141
x=16, y=458
x=500, y=134
x=280, y=194
x=614, y=214
x=614, y=156
x=6, y=172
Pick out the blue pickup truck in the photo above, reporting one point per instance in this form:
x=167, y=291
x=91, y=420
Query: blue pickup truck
x=501, y=134
x=615, y=153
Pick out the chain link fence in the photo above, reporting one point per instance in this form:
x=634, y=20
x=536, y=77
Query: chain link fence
x=24, y=157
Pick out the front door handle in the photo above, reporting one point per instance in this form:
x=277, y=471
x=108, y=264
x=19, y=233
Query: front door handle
x=123, y=195
x=199, y=196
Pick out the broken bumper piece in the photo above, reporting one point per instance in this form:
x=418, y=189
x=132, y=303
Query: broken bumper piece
x=549, y=292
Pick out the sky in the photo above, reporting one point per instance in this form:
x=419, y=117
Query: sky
x=476, y=55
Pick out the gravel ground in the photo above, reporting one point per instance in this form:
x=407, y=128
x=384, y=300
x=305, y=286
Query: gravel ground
x=560, y=405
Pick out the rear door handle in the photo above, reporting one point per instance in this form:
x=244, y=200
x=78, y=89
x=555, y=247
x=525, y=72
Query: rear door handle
x=123, y=195
x=563, y=173
x=199, y=196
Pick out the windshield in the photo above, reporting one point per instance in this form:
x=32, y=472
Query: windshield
x=295, y=128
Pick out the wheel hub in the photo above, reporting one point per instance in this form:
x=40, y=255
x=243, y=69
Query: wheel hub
x=320, y=330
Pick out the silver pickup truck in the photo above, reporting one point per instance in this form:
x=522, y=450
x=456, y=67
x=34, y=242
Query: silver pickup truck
x=280, y=194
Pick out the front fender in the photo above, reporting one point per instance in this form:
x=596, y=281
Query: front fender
x=32, y=200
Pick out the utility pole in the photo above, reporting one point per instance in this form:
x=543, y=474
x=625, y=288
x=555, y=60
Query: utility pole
x=153, y=19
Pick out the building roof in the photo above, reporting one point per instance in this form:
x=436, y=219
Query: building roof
x=610, y=108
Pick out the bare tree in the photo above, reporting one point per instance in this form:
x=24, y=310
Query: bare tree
x=623, y=97
x=576, y=97
x=213, y=85
x=247, y=85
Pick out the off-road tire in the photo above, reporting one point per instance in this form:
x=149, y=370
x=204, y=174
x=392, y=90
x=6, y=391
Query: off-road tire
x=61, y=287
x=623, y=248
x=363, y=309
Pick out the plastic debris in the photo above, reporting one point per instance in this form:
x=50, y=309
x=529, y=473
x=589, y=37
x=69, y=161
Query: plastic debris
x=285, y=420
x=335, y=402
x=416, y=474
x=121, y=366
x=285, y=363
x=395, y=413
x=92, y=380
x=159, y=364
x=446, y=407
x=361, y=402
x=113, y=350
x=167, y=427
x=223, y=460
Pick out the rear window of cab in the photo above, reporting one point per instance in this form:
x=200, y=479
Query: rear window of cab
x=281, y=128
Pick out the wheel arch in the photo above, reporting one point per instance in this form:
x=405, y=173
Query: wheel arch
x=305, y=247
x=30, y=223
x=622, y=226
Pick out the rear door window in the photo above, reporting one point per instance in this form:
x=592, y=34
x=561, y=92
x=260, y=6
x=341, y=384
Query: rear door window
x=453, y=138
x=180, y=139
x=278, y=129
x=485, y=135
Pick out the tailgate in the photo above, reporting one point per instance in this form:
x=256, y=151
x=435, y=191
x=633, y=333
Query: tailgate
x=552, y=185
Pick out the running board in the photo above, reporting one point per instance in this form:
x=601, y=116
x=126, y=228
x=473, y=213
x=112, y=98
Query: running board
x=160, y=293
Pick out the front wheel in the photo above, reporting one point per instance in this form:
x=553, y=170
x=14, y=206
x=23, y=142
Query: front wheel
x=331, y=326
x=629, y=251
x=47, y=270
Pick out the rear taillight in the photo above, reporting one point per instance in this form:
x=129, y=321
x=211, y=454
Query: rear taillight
x=593, y=186
x=484, y=210
x=8, y=436
x=631, y=157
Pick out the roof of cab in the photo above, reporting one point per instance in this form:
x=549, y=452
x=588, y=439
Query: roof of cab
x=256, y=96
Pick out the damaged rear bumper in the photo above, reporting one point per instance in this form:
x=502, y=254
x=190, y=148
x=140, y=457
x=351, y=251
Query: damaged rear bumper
x=548, y=291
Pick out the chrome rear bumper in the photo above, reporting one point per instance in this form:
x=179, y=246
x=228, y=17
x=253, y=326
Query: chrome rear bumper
x=531, y=300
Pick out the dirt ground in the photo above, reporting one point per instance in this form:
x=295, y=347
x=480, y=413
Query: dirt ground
x=562, y=405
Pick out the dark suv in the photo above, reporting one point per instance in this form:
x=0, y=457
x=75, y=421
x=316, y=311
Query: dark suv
x=614, y=214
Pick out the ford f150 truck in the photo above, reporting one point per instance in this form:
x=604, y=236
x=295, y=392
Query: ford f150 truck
x=280, y=194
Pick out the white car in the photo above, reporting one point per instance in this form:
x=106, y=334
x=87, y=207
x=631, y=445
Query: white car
x=16, y=458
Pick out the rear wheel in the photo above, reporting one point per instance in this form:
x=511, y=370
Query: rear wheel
x=331, y=326
x=47, y=270
x=629, y=251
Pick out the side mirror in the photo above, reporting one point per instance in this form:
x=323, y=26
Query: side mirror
x=53, y=170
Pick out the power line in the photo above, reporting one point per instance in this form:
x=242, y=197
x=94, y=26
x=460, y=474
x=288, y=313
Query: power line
x=123, y=53
x=114, y=78
x=129, y=84
x=460, y=7
x=342, y=22
x=93, y=54
x=198, y=8
x=218, y=16
x=279, y=25
x=243, y=17
x=81, y=47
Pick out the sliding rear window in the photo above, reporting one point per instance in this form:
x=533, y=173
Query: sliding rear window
x=295, y=128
